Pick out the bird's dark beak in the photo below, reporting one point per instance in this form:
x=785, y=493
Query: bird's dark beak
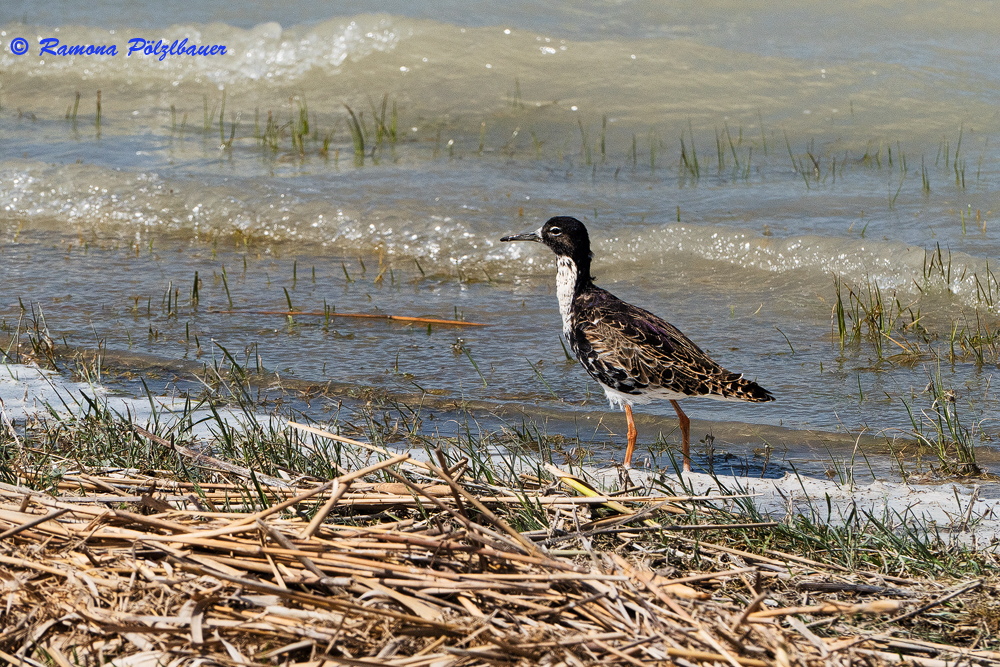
x=527, y=236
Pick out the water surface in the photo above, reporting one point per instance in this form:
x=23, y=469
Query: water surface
x=732, y=161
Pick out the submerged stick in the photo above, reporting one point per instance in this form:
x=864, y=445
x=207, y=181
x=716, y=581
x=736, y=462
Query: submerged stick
x=372, y=316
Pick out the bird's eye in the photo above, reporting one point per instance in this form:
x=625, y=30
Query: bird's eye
x=555, y=231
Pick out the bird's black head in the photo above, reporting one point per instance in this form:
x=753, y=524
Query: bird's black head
x=566, y=236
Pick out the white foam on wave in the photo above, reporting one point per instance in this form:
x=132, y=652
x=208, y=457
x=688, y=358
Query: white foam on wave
x=892, y=263
x=266, y=52
x=136, y=205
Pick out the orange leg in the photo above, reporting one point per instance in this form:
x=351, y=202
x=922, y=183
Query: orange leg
x=632, y=433
x=685, y=434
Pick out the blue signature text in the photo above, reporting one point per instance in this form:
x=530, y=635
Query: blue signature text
x=159, y=49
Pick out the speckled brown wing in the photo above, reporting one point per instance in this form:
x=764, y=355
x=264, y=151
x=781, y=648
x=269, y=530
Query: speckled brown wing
x=633, y=351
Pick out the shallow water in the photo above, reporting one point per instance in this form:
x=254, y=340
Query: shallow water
x=730, y=160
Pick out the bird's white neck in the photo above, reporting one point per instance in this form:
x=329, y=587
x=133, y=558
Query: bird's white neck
x=566, y=275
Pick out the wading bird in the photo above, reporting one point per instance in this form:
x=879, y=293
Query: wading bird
x=634, y=355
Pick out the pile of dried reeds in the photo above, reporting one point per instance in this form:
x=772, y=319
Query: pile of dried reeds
x=175, y=580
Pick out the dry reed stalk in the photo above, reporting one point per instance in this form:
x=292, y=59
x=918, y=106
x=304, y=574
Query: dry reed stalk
x=205, y=459
x=445, y=587
x=472, y=527
x=349, y=441
x=912, y=643
x=933, y=603
x=582, y=487
x=705, y=656
x=30, y=523
x=494, y=519
x=895, y=658
x=339, y=489
x=876, y=607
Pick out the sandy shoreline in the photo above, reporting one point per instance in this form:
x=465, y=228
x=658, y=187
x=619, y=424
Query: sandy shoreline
x=954, y=509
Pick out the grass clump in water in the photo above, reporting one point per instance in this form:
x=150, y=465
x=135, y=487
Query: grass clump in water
x=939, y=429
